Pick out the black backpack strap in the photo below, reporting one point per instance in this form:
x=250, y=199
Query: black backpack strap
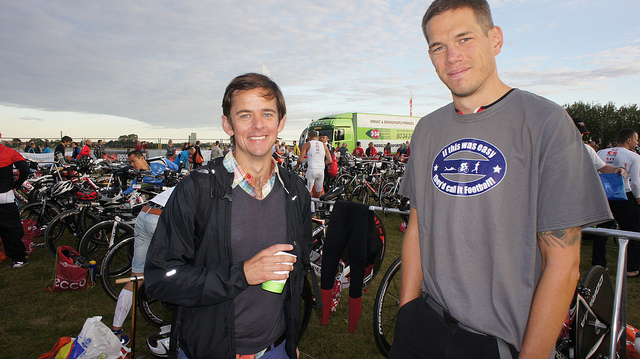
x=207, y=190
x=176, y=323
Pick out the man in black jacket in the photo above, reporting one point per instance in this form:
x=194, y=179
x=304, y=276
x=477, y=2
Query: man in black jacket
x=219, y=235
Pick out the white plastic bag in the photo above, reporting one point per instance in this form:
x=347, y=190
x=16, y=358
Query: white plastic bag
x=96, y=340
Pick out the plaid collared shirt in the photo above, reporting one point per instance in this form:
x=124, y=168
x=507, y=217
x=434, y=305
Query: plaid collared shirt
x=245, y=180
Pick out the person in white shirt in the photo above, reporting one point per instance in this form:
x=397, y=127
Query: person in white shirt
x=317, y=157
x=626, y=213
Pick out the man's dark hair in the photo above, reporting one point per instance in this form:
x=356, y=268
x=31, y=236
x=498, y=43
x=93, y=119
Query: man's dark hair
x=135, y=153
x=66, y=139
x=480, y=8
x=248, y=82
x=625, y=134
x=313, y=134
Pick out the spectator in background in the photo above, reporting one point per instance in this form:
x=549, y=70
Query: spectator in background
x=387, y=150
x=296, y=149
x=86, y=150
x=171, y=150
x=59, y=152
x=626, y=213
x=32, y=148
x=183, y=157
x=371, y=151
x=46, y=148
x=100, y=151
x=198, y=152
x=75, y=150
x=142, y=147
x=216, y=151
x=358, y=151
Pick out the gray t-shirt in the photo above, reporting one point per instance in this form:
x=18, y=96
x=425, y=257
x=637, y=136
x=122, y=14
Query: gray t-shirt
x=483, y=185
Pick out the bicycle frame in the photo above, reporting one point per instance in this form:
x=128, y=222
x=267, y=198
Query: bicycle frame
x=619, y=321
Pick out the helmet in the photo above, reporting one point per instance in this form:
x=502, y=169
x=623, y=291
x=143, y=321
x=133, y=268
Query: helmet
x=62, y=188
x=158, y=344
x=85, y=163
x=111, y=197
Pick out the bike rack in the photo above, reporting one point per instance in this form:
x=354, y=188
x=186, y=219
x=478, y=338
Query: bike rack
x=620, y=291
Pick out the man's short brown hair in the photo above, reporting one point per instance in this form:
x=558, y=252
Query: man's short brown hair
x=248, y=82
x=480, y=8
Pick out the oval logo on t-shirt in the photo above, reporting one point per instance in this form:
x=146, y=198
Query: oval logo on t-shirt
x=468, y=167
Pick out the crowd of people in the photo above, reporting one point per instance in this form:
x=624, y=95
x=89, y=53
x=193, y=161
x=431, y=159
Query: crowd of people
x=495, y=285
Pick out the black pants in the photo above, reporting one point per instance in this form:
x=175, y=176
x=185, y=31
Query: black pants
x=627, y=214
x=348, y=229
x=11, y=232
x=423, y=333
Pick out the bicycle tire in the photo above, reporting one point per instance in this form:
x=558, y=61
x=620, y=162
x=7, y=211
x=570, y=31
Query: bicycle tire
x=42, y=216
x=388, y=197
x=57, y=228
x=96, y=240
x=155, y=312
x=360, y=194
x=600, y=297
x=116, y=265
x=386, y=306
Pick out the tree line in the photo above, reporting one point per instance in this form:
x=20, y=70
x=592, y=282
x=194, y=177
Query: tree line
x=604, y=121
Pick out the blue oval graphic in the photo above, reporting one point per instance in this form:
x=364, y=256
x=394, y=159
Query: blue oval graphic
x=468, y=167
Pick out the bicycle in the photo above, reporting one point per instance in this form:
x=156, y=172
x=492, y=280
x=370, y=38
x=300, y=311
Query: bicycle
x=116, y=265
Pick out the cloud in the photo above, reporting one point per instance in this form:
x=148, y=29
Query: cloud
x=166, y=63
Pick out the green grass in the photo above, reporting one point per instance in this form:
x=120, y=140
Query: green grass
x=32, y=319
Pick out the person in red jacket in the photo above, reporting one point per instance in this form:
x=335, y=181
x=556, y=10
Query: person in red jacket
x=11, y=230
x=86, y=150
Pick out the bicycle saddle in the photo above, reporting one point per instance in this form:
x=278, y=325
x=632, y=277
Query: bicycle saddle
x=333, y=193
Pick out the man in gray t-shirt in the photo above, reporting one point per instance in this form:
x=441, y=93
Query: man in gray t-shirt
x=497, y=183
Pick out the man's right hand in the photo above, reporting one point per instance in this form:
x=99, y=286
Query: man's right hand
x=261, y=267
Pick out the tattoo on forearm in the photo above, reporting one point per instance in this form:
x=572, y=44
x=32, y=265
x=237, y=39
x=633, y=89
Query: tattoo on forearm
x=563, y=238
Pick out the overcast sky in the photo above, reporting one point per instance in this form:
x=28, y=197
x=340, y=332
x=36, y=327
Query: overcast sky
x=100, y=69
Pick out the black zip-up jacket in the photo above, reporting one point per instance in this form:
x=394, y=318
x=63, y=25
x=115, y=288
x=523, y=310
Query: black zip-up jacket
x=205, y=281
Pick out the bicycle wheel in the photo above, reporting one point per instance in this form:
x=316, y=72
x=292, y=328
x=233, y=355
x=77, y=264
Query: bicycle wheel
x=116, y=265
x=155, y=312
x=97, y=240
x=306, y=306
x=360, y=194
x=343, y=180
x=41, y=213
x=57, y=228
x=385, y=307
x=593, y=328
x=388, y=198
